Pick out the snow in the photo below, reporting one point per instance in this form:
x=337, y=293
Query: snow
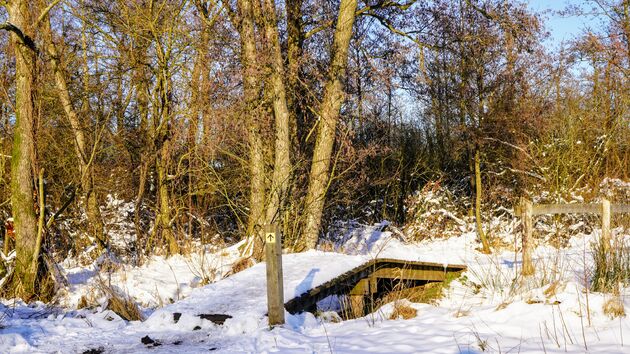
x=244, y=294
x=488, y=309
x=157, y=282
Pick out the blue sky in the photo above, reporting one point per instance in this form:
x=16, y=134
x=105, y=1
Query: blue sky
x=563, y=28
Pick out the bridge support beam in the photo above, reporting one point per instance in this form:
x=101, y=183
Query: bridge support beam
x=357, y=297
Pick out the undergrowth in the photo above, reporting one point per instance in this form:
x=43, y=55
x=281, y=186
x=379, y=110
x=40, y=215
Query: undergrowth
x=612, y=267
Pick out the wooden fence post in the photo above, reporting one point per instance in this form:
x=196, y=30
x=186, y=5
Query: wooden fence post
x=526, y=219
x=275, y=289
x=605, y=225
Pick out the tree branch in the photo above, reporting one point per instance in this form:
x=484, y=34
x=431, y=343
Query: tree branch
x=24, y=39
x=364, y=10
x=45, y=12
x=232, y=14
x=386, y=23
x=483, y=12
x=65, y=205
x=210, y=12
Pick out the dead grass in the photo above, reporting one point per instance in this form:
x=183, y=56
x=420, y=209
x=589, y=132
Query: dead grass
x=110, y=265
x=461, y=313
x=404, y=310
x=346, y=312
x=241, y=264
x=502, y=306
x=198, y=265
x=329, y=316
x=83, y=303
x=125, y=308
x=533, y=301
x=614, y=308
x=498, y=244
x=554, y=288
x=612, y=266
x=428, y=293
x=89, y=299
x=121, y=304
x=327, y=246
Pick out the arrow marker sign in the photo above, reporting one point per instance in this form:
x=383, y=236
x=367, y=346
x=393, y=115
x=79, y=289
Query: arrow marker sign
x=270, y=237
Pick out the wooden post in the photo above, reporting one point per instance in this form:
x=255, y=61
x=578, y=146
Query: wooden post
x=357, y=299
x=275, y=289
x=526, y=219
x=605, y=225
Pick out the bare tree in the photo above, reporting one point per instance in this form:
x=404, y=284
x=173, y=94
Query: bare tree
x=319, y=177
x=85, y=155
x=22, y=27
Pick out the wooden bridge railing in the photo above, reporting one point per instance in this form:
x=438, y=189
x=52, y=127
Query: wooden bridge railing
x=527, y=210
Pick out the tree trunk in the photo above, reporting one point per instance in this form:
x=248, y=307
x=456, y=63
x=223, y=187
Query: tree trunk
x=207, y=13
x=282, y=163
x=256, y=153
x=478, y=197
x=22, y=187
x=295, y=45
x=329, y=116
x=161, y=135
x=163, y=222
x=197, y=83
x=144, y=145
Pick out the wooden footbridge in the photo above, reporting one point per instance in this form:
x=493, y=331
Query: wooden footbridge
x=308, y=278
x=373, y=277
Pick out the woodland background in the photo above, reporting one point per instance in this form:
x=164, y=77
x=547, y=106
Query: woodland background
x=217, y=117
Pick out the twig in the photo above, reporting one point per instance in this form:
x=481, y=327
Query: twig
x=542, y=340
x=565, y=330
x=582, y=320
x=65, y=206
x=327, y=337
x=45, y=12
x=40, y=225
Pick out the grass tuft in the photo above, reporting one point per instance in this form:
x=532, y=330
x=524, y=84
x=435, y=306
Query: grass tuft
x=614, y=308
x=241, y=264
x=121, y=304
x=612, y=267
x=402, y=309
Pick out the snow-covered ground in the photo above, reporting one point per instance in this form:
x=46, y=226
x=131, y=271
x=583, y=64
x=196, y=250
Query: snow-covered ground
x=488, y=309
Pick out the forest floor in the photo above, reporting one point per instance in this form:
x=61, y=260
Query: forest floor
x=490, y=308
